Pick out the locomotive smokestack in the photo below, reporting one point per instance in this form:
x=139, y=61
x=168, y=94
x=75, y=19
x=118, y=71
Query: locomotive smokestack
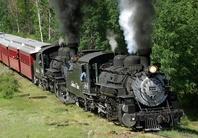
x=69, y=15
x=144, y=55
x=136, y=22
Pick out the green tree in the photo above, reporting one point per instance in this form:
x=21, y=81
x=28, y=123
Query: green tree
x=99, y=17
x=176, y=38
x=5, y=24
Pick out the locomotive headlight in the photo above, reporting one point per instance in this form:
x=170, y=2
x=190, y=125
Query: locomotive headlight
x=153, y=69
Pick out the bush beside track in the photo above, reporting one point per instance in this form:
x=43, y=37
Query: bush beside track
x=9, y=85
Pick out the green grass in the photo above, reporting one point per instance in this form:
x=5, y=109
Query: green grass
x=187, y=129
x=22, y=117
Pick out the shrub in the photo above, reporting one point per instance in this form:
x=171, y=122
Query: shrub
x=8, y=86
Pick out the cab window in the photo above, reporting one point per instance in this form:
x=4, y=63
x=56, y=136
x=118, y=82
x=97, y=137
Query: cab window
x=83, y=75
x=39, y=57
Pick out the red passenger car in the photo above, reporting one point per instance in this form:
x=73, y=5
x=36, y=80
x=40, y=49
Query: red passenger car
x=13, y=52
x=0, y=46
x=4, y=51
x=0, y=52
x=14, y=58
x=19, y=53
x=27, y=55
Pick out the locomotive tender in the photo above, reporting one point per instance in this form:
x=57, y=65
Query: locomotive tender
x=123, y=88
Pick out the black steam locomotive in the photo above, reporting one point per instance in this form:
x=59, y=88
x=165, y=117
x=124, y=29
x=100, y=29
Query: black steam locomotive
x=122, y=88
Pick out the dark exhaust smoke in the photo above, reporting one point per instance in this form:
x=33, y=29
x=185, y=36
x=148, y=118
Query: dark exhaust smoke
x=135, y=19
x=69, y=15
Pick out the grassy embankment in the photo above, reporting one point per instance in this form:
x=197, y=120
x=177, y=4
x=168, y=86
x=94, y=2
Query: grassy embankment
x=21, y=117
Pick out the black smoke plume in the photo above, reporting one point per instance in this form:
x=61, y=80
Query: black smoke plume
x=69, y=15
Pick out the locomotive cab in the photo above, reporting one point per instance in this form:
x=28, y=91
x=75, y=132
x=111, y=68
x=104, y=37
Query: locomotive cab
x=86, y=72
x=43, y=59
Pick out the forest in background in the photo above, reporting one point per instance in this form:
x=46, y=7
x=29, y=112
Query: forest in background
x=175, y=35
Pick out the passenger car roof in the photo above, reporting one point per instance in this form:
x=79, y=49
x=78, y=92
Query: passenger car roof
x=23, y=44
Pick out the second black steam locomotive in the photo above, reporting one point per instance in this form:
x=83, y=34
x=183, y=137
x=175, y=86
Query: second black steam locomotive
x=123, y=88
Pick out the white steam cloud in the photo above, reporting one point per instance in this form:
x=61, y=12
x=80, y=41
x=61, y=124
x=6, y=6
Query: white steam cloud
x=136, y=22
x=112, y=40
x=125, y=20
